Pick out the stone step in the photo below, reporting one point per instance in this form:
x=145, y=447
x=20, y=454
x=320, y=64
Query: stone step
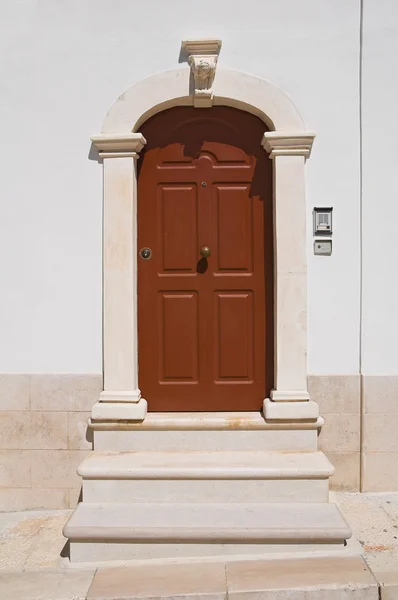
x=206, y=465
x=99, y=531
x=206, y=477
x=212, y=431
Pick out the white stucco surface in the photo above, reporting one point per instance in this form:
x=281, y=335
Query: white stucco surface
x=65, y=63
x=380, y=206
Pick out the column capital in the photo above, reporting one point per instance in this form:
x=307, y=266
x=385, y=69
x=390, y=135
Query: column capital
x=279, y=143
x=113, y=145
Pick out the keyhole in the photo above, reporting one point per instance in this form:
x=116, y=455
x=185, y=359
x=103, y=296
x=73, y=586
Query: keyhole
x=204, y=184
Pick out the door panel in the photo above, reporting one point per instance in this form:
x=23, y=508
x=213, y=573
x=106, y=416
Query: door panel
x=179, y=243
x=233, y=324
x=178, y=333
x=233, y=217
x=205, y=324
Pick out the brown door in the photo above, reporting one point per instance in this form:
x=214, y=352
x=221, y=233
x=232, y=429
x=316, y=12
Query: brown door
x=205, y=322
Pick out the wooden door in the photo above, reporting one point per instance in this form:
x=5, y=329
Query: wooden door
x=205, y=323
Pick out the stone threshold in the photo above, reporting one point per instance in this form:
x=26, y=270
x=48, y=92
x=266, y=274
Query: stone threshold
x=205, y=421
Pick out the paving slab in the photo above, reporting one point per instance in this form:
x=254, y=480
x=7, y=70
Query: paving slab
x=32, y=540
x=302, y=579
x=161, y=581
x=388, y=584
x=389, y=503
x=46, y=585
x=372, y=519
x=35, y=566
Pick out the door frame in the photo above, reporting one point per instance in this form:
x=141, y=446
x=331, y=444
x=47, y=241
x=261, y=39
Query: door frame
x=288, y=145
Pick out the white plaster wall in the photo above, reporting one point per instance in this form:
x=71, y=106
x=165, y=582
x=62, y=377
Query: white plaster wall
x=380, y=196
x=64, y=64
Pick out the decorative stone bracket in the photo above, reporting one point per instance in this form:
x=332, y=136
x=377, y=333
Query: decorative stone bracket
x=202, y=58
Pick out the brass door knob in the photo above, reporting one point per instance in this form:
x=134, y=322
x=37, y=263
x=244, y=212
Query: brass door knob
x=205, y=251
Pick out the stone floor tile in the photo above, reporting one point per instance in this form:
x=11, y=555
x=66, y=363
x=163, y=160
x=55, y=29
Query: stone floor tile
x=369, y=521
x=9, y=519
x=160, y=581
x=31, y=541
x=381, y=561
x=45, y=585
x=388, y=584
x=371, y=517
x=389, y=502
x=332, y=578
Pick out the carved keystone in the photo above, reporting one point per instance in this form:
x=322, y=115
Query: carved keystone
x=202, y=58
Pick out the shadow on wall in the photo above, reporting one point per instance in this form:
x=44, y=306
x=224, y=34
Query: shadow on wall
x=94, y=154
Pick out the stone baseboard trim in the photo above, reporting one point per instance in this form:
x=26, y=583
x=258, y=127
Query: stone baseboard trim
x=119, y=411
x=120, y=396
x=290, y=411
x=289, y=395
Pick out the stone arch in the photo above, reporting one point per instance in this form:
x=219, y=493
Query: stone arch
x=231, y=88
x=288, y=145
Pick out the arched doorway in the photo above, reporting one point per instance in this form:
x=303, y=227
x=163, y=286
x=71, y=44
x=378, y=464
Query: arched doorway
x=288, y=146
x=183, y=307
x=205, y=291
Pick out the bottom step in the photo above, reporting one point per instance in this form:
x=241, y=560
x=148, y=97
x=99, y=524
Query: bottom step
x=100, y=532
x=329, y=578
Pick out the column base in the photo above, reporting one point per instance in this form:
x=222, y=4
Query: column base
x=120, y=396
x=119, y=411
x=289, y=395
x=290, y=411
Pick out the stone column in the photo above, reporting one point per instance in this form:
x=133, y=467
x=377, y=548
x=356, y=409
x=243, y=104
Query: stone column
x=289, y=398
x=121, y=398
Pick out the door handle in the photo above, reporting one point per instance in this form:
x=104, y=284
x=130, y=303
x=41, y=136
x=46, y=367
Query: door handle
x=205, y=251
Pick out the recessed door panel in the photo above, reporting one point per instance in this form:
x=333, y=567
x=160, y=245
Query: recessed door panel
x=178, y=227
x=234, y=227
x=205, y=324
x=178, y=337
x=233, y=327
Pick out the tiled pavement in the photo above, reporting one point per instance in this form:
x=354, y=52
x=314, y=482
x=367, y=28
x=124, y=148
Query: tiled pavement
x=34, y=565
